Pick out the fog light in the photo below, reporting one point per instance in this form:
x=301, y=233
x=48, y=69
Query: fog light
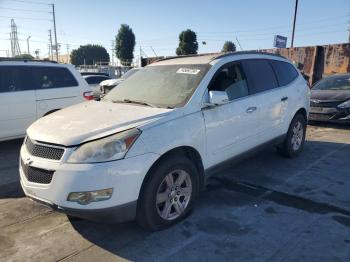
x=87, y=197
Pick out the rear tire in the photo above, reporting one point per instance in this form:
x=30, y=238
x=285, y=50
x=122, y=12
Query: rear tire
x=168, y=193
x=294, y=141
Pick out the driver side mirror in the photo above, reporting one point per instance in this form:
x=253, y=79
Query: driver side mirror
x=218, y=98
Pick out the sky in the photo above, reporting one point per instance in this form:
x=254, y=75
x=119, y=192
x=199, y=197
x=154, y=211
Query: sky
x=157, y=23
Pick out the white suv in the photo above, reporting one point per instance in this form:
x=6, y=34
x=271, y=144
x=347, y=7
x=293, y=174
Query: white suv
x=146, y=149
x=32, y=89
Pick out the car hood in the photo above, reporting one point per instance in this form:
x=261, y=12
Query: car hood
x=330, y=95
x=91, y=120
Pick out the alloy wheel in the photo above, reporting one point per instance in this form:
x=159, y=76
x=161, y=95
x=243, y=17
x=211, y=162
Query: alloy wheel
x=174, y=194
x=297, y=136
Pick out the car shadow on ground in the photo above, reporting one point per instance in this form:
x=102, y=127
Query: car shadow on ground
x=239, y=185
x=345, y=126
x=9, y=176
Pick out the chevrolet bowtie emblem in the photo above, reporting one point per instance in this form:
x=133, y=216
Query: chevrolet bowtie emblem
x=315, y=101
x=28, y=161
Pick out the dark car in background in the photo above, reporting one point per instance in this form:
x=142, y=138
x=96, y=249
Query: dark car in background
x=330, y=99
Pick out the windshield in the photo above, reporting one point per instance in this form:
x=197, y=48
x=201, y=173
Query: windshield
x=333, y=83
x=129, y=73
x=166, y=86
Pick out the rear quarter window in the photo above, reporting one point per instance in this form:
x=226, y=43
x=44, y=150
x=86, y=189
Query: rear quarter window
x=15, y=79
x=52, y=77
x=285, y=72
x=259, y=74
x=95, y=79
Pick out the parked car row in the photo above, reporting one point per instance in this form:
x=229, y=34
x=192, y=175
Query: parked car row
x=145, y=149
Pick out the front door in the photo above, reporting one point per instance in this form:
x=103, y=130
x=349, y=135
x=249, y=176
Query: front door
x=231, y=128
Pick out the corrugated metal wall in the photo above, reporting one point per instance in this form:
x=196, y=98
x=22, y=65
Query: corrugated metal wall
x=319, y=61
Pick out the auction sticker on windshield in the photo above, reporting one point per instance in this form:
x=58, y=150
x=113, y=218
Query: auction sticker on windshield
x=188, y=71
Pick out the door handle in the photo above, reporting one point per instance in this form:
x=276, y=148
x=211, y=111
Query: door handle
x=251, y=109
x=285, y=98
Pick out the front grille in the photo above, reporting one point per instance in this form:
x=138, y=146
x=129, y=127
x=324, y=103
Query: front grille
x=325, y=103
x=37, y=175
x=43, y=151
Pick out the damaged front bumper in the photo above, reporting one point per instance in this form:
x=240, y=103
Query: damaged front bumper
x=334, y=114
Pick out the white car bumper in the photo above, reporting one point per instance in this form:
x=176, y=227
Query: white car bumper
x=124, y=176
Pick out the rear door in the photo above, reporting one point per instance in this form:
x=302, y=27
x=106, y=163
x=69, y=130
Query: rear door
x=56, y=88
x=287, y=76
x=230, y=128
x=263, y=86
x=17, y=101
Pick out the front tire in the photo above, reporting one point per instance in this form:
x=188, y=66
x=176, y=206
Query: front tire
x=294, y=141
x=168, y=193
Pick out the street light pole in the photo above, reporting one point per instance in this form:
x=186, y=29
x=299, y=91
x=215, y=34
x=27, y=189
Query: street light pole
x=28, y=44
x=54, y=29
x=295, y=18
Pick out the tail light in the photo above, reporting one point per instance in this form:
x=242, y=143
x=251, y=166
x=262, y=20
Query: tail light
x=89, y=95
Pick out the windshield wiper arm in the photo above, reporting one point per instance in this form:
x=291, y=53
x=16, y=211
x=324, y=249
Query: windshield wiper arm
x=134, y=102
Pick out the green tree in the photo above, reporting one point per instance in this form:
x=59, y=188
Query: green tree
x=229, y=46
x=89, y=55
x=25, y=56
x=187, y=43
x=125, y=44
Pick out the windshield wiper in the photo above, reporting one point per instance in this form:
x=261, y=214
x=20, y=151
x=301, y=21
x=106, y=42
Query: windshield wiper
x=129, y=101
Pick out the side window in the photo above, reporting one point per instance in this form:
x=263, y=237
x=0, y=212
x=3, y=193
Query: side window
x=231, y=79
x=53, y=77
x=95, y=79
x=259, y=74
x=15, y=78
x=285, y=72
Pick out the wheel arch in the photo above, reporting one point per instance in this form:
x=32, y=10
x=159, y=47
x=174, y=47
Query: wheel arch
x=303, y=112
x=51, y=111
x=187, y=151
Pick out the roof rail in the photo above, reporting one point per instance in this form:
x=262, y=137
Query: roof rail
x=183, y=56
x=25, y=60
x=221, y=55
x=247, y=52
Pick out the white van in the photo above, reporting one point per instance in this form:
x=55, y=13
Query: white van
x=32, y=89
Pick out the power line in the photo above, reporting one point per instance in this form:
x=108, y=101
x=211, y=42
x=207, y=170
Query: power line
x=30, y=2
x=272, y=27
x=269, y=37
x=24, y=10
x=26, y=18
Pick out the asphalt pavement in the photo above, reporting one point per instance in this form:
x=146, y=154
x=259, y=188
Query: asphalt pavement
x=266, y=208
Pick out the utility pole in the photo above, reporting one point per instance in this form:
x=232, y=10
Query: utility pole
x=50, y=45
x=28, y=44
x=68, y=53
x=295, y=18
x=113, y=50
x=54, y=28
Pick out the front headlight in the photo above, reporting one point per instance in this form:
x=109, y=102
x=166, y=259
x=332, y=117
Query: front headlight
x=346, y=104
x=109, y=148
